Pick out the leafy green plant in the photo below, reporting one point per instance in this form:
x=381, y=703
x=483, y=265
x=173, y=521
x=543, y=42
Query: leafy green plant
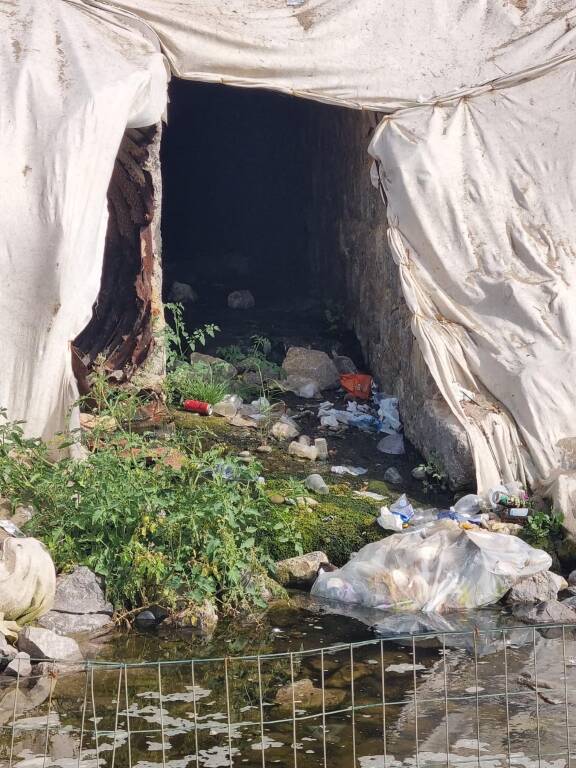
x=542, y=528
x=163, y=523
x=120, y=403
x=436, y=477
x=197, y=381
x=334, y=317
x=178, y=341
x=233, y=354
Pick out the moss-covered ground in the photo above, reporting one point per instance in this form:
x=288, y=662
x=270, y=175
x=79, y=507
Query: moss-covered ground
x=342, y=522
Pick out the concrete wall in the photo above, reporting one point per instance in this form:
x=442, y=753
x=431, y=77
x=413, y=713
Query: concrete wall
x=352, y=261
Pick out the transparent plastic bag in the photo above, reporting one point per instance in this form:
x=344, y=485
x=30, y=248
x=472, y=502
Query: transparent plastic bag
x=440, y=568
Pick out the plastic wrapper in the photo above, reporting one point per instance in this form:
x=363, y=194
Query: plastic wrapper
x=441, y=568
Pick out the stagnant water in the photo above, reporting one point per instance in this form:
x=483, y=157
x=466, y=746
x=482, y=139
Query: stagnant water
x=406, y=700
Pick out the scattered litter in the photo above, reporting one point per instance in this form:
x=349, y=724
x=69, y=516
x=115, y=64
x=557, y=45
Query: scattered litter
x=357, y=384
x=12, y=529
x=399, y=514
x=389, y=521
x=401, y=668
x=301, y=386
x=369, y=495
x=228, y=406
x=242, y=421
x=468, y=505
x=285, y=428
x=303, y=451
x=388, y=413
x=346, y=470
x=443, y=567
x=197, y=406
x=393, y=444
x=322, y=448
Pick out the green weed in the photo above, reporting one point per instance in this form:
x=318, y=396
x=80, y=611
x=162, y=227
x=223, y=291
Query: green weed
x=163, y=523
x=178, y=341
x=542, y=528
x=197, y=381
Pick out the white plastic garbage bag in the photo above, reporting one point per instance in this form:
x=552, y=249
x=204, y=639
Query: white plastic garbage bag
x=27, y=579
x=440, y=568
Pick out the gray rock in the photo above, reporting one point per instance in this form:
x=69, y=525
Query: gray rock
x=344, y=364
x=538, y=588
x=145, y=620
x=393, y=477
x=300, y=571
x=313, y=364
x=432, y=428
x=6, y=650
x=42, y=643
x=74, y=623
x=19, y=666
x=81, y=592
x=241, y=300
x=305, y=695
x=183, y=293
x=220, y=368
x=570, y=602
x=419, y=473
x=549, y=612
x=203, y=617
x=316, y=483
x=572, y=579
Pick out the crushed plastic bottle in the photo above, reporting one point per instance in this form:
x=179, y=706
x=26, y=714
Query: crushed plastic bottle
x=471, y=504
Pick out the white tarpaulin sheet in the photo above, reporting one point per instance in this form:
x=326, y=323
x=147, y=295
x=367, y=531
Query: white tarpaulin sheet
x=480, y=188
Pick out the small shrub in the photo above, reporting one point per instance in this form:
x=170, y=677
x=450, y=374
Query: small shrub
x=163, y=523
x=179, y=343
x=542, y=529
x=197, y=381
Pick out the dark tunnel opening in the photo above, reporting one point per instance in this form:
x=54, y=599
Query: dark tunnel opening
x=240, y=176
x=235, y=187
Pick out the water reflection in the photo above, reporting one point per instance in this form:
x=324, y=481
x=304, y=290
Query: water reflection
x=480, y=697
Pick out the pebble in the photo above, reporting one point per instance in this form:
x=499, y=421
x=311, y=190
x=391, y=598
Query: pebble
x=392, y=476
x=19, y=666
x=419, y=473
x=264, y=449
x=277, y=499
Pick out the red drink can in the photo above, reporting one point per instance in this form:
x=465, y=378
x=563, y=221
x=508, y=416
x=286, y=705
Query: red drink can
x=197, y=406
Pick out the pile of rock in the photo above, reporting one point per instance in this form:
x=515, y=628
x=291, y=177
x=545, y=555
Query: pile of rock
x=534, y=599
x=80, y=604
x=34, y=647
x=308, y=372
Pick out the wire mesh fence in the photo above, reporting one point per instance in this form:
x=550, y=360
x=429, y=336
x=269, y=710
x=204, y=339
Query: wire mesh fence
x=486, y=698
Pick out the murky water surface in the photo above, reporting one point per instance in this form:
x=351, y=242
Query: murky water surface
x=452, y=699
